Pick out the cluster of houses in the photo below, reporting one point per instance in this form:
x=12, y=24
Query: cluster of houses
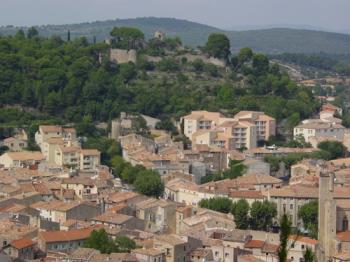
x=60, y=148
x=53, y=199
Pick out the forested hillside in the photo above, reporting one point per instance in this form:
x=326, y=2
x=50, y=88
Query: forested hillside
x=65, y=80
x=270, y=41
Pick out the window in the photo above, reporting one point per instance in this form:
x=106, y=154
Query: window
x=227, y=254
x=292, y=258
x=291, y=206
x=216, y=253
x=345, y=224
x=302, y=246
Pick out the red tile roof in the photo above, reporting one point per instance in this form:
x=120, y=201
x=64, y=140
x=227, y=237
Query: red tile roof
x=306, y=240
x=71, y=235
x=344, y=236
x=254, y=244
x=22, y=243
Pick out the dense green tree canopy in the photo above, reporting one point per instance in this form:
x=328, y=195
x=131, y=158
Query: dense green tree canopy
x=148, y=182
x=66, y=80
x=99, y=240
x=218, y=45
x=220, y=204
x=334, y=148
x=262, y=214
x=309, y=215
x=240, y=210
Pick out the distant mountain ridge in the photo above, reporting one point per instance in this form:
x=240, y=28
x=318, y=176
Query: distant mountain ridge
x=270, y=41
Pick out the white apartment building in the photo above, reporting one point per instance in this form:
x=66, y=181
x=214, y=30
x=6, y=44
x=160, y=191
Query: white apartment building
x=200, y=120
x=242, y=131
x=319, y=129
x=45, y=132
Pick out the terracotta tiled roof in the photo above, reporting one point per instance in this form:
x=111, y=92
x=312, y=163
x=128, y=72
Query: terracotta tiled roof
x=119, y=197
x=57, y=205
x=69, y=149
x=50, y=129
x=26, y=155
x=79, y=180
x=251, y=194
x=22, y=243
x=113, y=218
x=304, y=239
x=90, y=152
x=179, y=183
x=9, y=139
x=71, y=235
x=147, y=251
x=296, y=191
x=254, y=244
x=69, y=130
x=55, y=140
x=344, y=236
x=171, y=239
x=249, y=258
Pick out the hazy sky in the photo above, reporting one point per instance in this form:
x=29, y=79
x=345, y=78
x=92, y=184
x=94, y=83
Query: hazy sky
x=328, y=14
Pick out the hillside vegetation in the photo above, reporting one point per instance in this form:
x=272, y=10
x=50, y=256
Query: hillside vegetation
x=268, y=41
x=67, y=80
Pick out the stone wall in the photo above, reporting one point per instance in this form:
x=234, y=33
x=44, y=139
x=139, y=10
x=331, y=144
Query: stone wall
x=121, y=56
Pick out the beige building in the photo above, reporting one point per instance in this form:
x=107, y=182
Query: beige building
x=22, y=249
x=148, y=254
x=45, y=132
x=265, y=125
x=290, y=199
x=67, y=156
x=60, y=212
x=297, y=246
x=158, y=215
x=84, y=188
x=89, y=159
x=200, y=120
x=64, y=241
x=15, y=144
x=21, y=159
x=319, y=129
x=242, y=131
x=176, y=248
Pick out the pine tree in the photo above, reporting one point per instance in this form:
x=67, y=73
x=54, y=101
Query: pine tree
x=285, y=232
x=68, y=36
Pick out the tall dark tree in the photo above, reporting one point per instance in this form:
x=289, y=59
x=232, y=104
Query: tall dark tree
x=285, y=232
x=218, y=45
x=68, y=36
